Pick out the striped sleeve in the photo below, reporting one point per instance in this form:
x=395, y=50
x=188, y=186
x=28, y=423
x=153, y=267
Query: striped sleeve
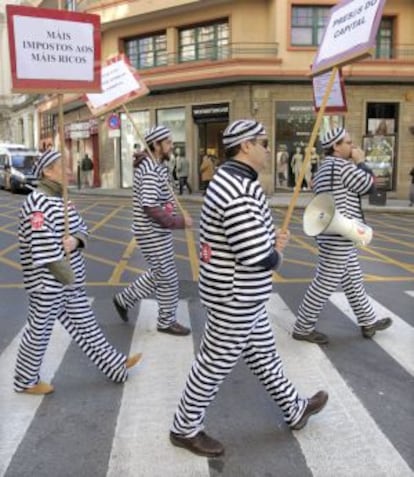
x=149, y=189
x=246, y=231
x=356, y=179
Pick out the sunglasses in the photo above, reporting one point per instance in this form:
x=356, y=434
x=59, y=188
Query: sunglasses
x=263, y=142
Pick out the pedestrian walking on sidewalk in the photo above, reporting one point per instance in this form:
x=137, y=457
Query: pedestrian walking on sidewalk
x=206, y=171
x=238, y=251
x=56, y=286
x=154, y=212
x=183, y=170
x=344, y=174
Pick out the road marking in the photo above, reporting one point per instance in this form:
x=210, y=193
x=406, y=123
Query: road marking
x=123, y=263
x=397, y=341
x=106, y=219
x=344, y=432
x=18, y=410
x=150, y=397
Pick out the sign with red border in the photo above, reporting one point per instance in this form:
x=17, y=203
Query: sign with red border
x=120, y=84
x=54, y=50
x=337, y=100
x=349, y=35
x=113, y=121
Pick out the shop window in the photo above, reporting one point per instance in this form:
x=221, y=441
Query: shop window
x=204, y=42
x=384, y=43
x=70, y=5
x=308, y=24
x=147, y=52
x=130, y=143
x=380, y=141
x=294, y=124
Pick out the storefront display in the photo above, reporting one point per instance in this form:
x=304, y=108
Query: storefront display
x=379, y=153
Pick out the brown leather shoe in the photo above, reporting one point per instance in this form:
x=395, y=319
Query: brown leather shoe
x=313, y=337
x=40, y=388
x=133, y=360
x=369, y=331
x=315, y=404
x=175, y=329
x=201, y=444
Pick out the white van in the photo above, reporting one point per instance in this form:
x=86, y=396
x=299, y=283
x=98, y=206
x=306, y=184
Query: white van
x=16, y=167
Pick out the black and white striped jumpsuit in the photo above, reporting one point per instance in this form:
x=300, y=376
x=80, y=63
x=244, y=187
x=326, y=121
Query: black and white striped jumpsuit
x=41, y=232
x=151, y=191
x=338, y=257
x=236, y=233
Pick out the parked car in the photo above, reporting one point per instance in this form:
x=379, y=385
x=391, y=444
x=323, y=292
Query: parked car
x=16, y=167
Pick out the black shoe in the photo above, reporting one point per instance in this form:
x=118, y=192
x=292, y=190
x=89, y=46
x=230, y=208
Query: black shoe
x=369, y=331
x=175, y=329
x=122, y=312
x=313, y=337
x=315, y=404
x=201, y=444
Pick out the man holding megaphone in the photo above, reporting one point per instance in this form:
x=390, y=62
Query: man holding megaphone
x=342, y=178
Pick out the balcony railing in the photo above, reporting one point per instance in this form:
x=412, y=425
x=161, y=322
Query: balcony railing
x=205, y=52
x=404, y=52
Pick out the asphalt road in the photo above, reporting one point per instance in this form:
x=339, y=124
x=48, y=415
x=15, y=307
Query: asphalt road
x=90, y=427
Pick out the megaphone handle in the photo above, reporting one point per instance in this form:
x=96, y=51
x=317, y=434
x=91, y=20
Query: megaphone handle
x=312, y=140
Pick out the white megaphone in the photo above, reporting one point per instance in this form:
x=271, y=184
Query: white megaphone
x=320, y=216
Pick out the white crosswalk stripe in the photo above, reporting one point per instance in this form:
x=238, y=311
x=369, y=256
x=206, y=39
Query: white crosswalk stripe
x=149, y=401
x=398, y=341
x=18, y=410
x=345, y=432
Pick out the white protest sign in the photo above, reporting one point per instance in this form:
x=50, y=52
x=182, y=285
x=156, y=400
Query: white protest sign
x=336, y=100
x=120, y=83
x=350, y=33
x=53, y=49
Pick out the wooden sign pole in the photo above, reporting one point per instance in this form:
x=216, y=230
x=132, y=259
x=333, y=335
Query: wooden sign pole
x=64, y=167
x=312, y=140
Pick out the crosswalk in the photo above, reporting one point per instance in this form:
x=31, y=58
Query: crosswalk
x=364, y=431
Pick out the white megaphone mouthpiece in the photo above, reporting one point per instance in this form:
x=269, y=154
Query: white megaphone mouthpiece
x=320, y=216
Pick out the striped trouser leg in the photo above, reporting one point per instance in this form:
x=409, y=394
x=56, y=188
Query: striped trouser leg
x=227, y=333
x=43, y=310
x=261, y=355
x=333, y=257
x=353, y=285
x=79, y=321
x=161, y=278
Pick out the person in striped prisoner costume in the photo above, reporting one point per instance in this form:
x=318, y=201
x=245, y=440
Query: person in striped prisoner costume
x=239, y=250
x=55, y=286
x=154, y=216
x=347, y=177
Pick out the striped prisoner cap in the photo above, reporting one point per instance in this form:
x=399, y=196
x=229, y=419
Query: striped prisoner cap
x=45, y=160
x=242, y=130
x=332, y=136
x=157, y=133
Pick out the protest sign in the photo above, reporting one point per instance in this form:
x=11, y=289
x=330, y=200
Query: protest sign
x=349, y=35
x=120, y=84
x=53, y=50
x=336, y=102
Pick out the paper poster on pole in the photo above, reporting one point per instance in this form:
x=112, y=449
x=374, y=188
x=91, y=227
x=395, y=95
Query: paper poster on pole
x=120, y=84
x=337, y=100
x=53, y=50
x=349, y=35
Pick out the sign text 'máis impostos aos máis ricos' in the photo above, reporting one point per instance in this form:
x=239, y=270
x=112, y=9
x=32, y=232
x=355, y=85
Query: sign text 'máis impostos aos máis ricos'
x=54, y=50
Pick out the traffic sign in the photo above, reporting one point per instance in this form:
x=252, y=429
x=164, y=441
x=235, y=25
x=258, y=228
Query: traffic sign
x=113, y=121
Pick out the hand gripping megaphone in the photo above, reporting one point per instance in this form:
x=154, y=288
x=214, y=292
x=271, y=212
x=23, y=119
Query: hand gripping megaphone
x=320, y=216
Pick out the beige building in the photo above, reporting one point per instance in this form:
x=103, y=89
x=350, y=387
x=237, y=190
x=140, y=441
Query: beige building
x=208, y=62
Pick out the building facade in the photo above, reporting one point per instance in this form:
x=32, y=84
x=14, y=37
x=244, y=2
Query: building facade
x=208, y=62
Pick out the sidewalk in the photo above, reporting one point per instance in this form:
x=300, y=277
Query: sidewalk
x=278, y=199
